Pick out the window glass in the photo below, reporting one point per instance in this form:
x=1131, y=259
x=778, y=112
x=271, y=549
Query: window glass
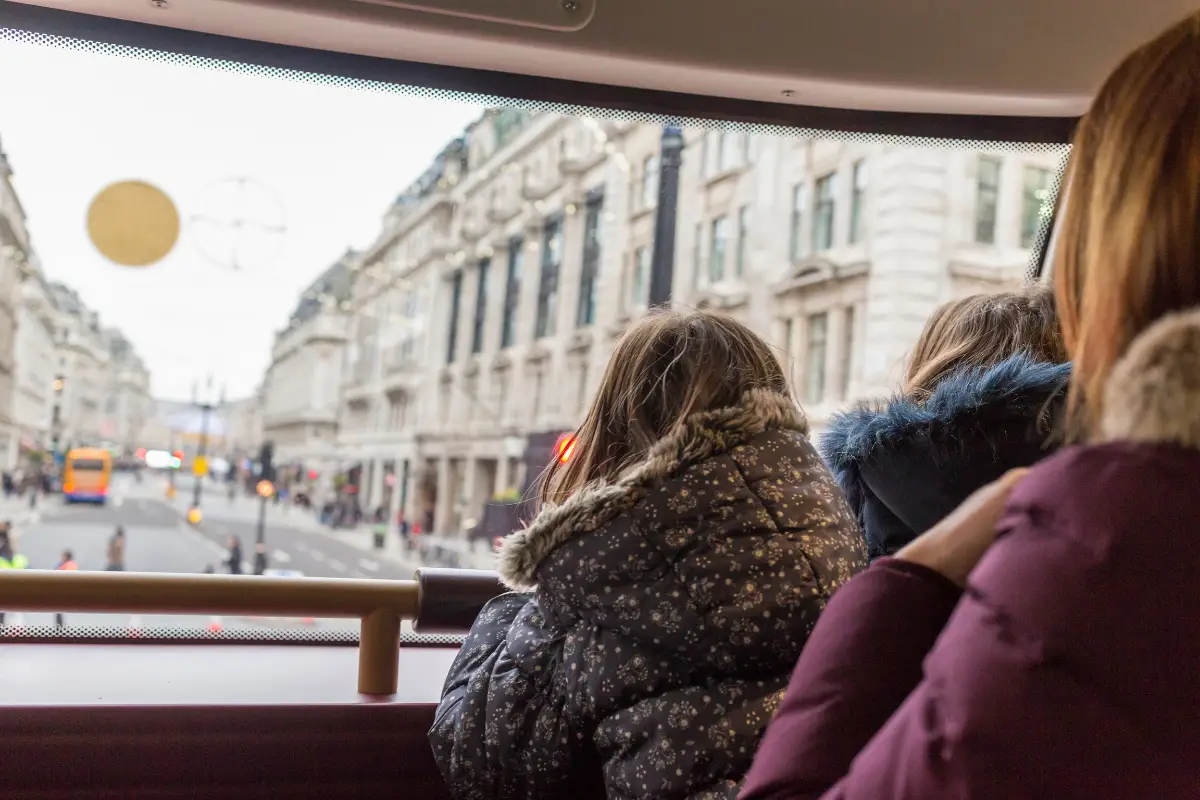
x=481, y=293
x=586, y=312
x=743, y=240
x=816, y=350
x=858, y=197
x=512, y=293
x=332, y=277
x=547, y=306
x=823, y=214
x=649, y=196
x=987, y=198
x=456, y=282
x=1036, y=204
x=796, y=242
x=716, y=250
x=640, y=285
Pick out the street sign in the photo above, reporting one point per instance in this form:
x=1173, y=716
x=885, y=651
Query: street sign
x=200, y=466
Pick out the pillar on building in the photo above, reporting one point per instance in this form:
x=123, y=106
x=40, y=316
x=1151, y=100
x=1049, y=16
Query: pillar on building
x=398, y=488
x=471, y=482
x=375, y=493
x=443, y=512
x=410, y=474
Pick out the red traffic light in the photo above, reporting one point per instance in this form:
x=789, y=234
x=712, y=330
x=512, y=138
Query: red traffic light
x=564, y=448
x=312, y=475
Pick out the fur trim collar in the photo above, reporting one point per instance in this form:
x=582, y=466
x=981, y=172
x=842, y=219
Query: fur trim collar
x=696, y=438
x=1015, y=389
x=1153, y=393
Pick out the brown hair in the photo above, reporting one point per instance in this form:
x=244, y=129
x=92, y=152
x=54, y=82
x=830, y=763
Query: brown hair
x=982, y=330
x=1129, y=243
x=668, y=366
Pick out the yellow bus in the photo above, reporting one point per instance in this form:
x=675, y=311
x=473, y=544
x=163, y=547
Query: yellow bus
x=86, y=473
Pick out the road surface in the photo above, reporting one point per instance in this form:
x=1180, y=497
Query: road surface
x=158, y=540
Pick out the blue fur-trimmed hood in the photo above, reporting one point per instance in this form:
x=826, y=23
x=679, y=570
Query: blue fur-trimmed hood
x=1015, y=389
x=904, y=465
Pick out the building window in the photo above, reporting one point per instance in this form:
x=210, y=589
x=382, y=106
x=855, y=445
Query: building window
x=987, y=196
x=481, y=276
x=743, y=240
x=585, y=314
x=1035, y=203
x=650, y=172
x=847, y=350
x=796, y=233
x=547, y=307
x=712, y=153
x=858, y=197
x=823, y=214
x=455, y=299
x=814, y=358
x=697, y=252
x=640, y=284
x=512, y=293
x=729, y=151
x=716, y=250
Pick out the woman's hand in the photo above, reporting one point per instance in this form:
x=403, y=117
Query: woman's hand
x=956, y=544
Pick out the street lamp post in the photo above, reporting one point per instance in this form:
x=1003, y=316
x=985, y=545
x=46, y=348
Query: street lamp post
x=206, y=407
x=662, y=266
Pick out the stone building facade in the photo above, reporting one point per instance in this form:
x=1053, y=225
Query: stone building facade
x=491, y=301
x=300, y=395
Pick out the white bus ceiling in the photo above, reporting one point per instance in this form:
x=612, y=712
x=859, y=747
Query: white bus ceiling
x=997, y=57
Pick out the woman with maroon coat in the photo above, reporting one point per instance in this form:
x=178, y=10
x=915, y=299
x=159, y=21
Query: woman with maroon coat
x=1067, y=667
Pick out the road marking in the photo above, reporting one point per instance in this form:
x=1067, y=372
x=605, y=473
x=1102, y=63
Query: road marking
x=280, y=556
x=302, y=547
x=118, y=502
x=368, y=565
x=317, y=555
x=339, y=566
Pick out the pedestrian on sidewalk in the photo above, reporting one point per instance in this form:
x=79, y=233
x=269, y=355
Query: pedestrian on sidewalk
x=234, y=562
x=260, y=558
x=9, y=558
x=116, y=551
x=67, y=564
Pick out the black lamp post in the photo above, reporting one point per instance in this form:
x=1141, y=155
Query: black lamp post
x=662, y=266
x=206, y=407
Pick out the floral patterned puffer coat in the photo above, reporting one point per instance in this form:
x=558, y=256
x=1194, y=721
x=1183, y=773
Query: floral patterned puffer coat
x=666, y=612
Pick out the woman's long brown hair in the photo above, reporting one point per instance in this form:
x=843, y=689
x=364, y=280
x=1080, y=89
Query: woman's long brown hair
x=668, y=366
x=981, y=331
x=1129, y=244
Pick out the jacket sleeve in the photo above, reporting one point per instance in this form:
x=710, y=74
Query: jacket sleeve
x=862, y=660
x=501, y=729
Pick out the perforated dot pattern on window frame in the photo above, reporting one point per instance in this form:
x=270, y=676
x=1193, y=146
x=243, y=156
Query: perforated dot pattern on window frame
x=541, y=107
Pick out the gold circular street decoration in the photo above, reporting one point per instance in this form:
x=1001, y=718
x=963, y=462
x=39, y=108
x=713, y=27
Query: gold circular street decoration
x=133, y=223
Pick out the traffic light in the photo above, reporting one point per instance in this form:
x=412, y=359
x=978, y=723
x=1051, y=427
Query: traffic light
x=266, y=469
x=564, y=448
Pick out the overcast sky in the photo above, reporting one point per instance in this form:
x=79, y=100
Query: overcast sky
x=329, y=159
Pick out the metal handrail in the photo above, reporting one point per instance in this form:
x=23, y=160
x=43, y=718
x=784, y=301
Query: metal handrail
x=381, y=605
